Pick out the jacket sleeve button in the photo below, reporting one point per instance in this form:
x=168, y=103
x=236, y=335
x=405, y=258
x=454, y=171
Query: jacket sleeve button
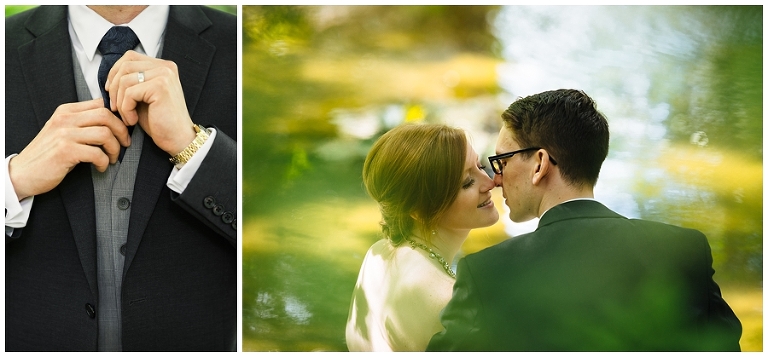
x=218, y=210
x=227, y=217
x=209, y=202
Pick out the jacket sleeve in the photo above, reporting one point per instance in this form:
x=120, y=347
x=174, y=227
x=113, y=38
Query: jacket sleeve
x=461, y=317
x=211, y=195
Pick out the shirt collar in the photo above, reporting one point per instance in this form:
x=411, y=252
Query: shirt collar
x=573, y=199
x=89, y=27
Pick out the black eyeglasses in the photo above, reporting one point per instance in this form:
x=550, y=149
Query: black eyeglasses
x=498, y=166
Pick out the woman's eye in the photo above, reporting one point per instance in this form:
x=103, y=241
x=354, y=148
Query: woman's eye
x=468, y=184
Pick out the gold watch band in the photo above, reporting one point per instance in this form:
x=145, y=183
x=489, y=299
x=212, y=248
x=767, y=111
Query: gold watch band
x=191, y=149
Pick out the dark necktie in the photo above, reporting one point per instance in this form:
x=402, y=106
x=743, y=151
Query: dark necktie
x=113, y=45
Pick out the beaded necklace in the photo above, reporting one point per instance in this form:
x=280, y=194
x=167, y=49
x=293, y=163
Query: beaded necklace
x=433, y=255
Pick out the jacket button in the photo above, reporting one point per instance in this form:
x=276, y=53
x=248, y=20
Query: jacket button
x=227, y=217
x=209, y=202
x=90, y=310
x=123, y=249
x=234, y=224
x=218, y=210
x=123, y=203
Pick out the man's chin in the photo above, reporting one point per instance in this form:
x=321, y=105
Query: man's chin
x=520, y=219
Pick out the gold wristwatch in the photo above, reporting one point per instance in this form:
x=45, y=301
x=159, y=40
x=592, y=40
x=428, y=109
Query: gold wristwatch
x=186, y=154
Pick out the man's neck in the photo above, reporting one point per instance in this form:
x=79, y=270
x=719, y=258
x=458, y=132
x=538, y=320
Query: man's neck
x=564, y=193
x=118, y=15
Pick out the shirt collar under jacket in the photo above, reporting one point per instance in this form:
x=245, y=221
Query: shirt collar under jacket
x=90, y=27
x=573, y=199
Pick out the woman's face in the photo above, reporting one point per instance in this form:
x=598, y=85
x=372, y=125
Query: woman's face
x=473, y=207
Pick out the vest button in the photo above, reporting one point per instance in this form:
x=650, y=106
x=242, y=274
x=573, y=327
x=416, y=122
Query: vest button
x=123, y=203
x=123, y=249
x=90, y=310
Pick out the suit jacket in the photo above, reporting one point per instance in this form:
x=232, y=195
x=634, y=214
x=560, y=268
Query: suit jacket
x=180, y=275
x=588, y=279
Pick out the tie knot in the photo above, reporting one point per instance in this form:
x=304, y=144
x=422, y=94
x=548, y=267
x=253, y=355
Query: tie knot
x=118, y=40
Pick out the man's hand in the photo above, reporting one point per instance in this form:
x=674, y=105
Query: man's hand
x=157, y=104
x=75, y=133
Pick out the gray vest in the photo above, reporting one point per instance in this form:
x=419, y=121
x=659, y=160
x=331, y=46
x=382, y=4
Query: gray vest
x=113, y=192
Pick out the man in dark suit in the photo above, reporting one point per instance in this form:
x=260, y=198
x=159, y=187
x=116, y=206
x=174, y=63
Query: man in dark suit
x=108, y=247
x=587, y=279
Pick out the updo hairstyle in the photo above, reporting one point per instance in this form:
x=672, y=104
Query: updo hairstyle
x=414, y=172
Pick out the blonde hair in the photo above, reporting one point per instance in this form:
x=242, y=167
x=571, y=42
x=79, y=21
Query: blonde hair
x=414, y=173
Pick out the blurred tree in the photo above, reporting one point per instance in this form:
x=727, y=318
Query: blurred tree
x=15, y=9
x=717, y=108
x=301, y=63
x=394, y=30
x=723, y=94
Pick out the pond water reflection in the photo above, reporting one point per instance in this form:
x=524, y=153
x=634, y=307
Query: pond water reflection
x=680, y=86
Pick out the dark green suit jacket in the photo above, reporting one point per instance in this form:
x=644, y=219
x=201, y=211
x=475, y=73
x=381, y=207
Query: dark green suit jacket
x=589, y=279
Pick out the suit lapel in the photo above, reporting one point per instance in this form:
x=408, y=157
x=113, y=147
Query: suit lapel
x=47, y=61
x=48, y=68
x=191, y=53
x=193, y=56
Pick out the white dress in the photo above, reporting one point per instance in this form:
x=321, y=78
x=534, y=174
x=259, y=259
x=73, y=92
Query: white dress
x=397, y=300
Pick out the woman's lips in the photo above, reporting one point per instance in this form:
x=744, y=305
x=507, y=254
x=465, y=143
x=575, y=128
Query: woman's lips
x=489, y=202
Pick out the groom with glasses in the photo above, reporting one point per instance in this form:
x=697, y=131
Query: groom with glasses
x=587, y=279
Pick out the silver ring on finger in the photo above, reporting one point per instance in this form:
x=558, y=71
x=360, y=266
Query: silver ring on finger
x=141, y=77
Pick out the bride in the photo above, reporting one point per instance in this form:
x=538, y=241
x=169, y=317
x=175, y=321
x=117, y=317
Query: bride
x=431, y=192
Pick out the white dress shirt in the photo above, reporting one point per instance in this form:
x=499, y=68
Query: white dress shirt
x=86, y=28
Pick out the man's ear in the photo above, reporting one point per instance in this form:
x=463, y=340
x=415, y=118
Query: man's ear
x=542, y=168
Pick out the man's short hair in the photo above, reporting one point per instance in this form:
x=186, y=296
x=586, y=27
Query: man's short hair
x=567, y=124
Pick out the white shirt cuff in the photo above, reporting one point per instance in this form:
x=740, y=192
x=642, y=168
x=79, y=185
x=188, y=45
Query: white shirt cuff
x=16, y=213
x=180, y=178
